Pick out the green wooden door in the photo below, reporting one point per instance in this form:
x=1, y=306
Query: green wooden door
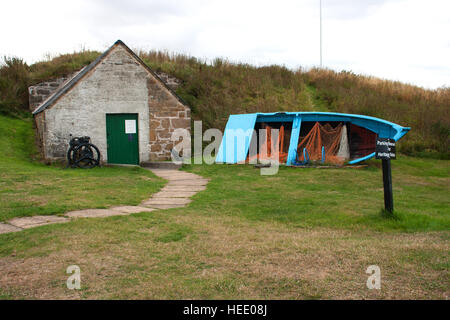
x=122, y=138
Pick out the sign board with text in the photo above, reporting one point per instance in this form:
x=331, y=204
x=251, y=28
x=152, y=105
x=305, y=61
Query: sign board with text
x=130, y=126
x=385, y=148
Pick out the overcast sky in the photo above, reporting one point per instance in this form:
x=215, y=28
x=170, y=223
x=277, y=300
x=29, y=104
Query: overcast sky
x=406, y=40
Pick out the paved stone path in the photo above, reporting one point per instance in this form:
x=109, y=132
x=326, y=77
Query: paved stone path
x=182, y=185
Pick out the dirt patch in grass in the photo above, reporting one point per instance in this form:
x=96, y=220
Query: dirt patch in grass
x=332, y=262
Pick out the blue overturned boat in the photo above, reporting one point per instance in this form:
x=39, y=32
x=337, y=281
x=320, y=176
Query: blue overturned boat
x=304, y=137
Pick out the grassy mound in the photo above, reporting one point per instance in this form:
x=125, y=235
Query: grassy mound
x=216, y=90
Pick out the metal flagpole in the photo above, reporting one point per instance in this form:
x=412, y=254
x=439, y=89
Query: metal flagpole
x=320, y=4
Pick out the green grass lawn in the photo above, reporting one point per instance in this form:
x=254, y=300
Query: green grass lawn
x=337, y=198
x=301, y=234
x=33, y=188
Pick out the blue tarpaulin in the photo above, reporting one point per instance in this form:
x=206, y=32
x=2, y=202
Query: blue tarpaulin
x=236, y=138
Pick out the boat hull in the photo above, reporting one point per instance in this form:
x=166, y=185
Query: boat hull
x=239, y=131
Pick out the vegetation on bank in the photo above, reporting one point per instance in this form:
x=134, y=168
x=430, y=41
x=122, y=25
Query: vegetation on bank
x=425, y=111
x=215, y=90
x=16, y=76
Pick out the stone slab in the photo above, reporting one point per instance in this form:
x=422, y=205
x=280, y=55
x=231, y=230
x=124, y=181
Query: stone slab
x=95, y=213
x=174, y=194
x=198, y=182
x=179, y=175
x=174, y=178
x=161, y=172
x=7, y=228
x=164, y=170
x=180, y=188
x=160, y=165
x=182, y=201
x=36, y=221
x=181, y=178
x=166, y=206
x=132, y=209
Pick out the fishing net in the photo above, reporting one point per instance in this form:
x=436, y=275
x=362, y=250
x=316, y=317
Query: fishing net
x=323, y=142
x=269, y=148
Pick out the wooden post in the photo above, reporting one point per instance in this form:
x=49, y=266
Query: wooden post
x=387, y=184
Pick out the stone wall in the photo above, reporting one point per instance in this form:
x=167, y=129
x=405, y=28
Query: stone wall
x=39, y=123
x=167, y=113
x=40, y=92
x=172, y=82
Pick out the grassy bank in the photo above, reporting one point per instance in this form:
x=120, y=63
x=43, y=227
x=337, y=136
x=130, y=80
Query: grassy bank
x=425, y=111
x=216, y=90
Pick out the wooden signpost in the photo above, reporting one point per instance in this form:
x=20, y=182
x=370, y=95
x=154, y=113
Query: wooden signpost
x=385, y=150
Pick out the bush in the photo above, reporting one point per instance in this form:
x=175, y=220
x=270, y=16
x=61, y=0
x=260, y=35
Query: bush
x=16, y=76
x=425, y=111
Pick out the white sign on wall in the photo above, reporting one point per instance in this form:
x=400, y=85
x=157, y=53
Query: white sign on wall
x=130, y=126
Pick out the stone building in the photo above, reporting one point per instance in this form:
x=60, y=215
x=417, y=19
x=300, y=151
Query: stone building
x=117, y=100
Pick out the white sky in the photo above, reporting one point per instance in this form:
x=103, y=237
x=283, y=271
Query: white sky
x=406, y=40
